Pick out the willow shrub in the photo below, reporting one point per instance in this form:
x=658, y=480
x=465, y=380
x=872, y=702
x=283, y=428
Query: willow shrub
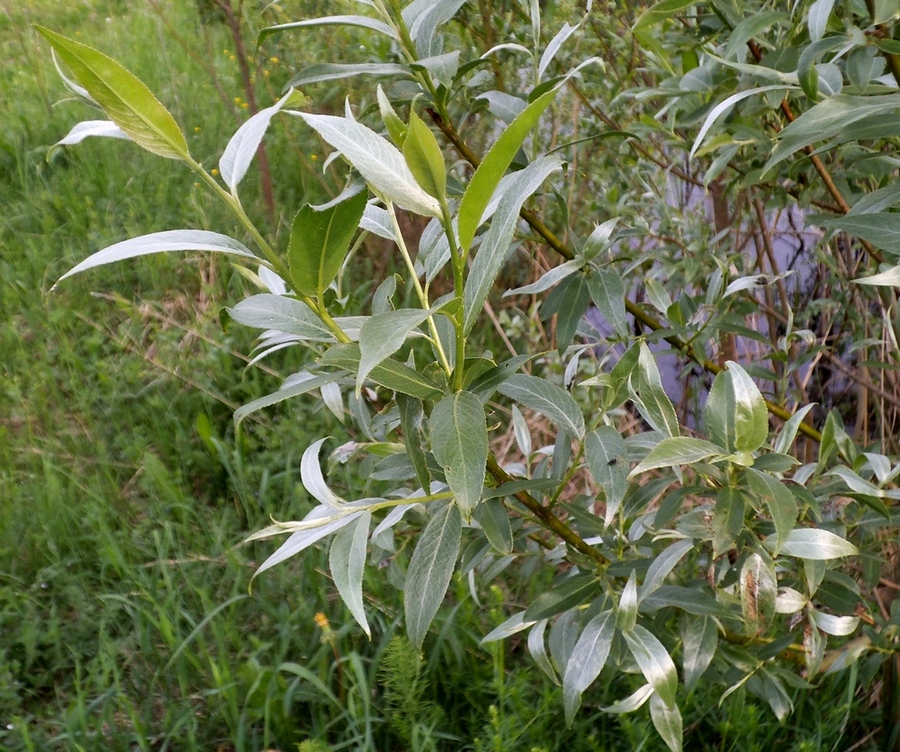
x=724, y=553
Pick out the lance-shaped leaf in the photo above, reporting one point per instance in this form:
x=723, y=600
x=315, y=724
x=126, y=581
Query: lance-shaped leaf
x=383, y=334
x=654, y=661
x=124, y=98
x=667, y=722
x=608, y=294
x=759, y=589
x=304, y=386
x=162, y=242
x=548, y=399
x=699, y=638
x=735, y=414
x=423, y=30
x=303, y=539
x=658, y=409
x=606, y=457
x=377, y=160
x=396, y=128
x=495, y=163
x=320, y=241
x=587, y=660
x=242, y=147
x=424, y=157
x=347, y=561
x=780, y=501
x=813, y=544
x=267, y=311
x=495, y=247
x=363, y=22
x=459, y=441
x=92, y=128
x=430, y=569
x=319, y=72
x=881, y=229
x=389, y=373
x=681, y=450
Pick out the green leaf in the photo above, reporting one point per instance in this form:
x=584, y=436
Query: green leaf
x=607, y=459
x=660, y=12
x=123, y=97
x=284, y=314
x=430, y=569
x=555, y=275
x=538, y=650
x=460, y=444
x=389, y=373
x=359, y=21
x=813, y=544
x=681, y=450
x=627, y=611
x=657, y=407
x=881, y=229
x=424, y=157
x=587, y=660
x=92, y=128
x=572, y=299
x=827, y=119
x=728, y=519
x=495, y=246
x=789, y=431
x=667, y=722
x=654, y=661
x=780, y=501
x=735, y=415
x=162, y=242
x=383, y=334
x=608, y=294
x=377, y=160
x=411, y=413
x=494, y=520
x=492, y=168
x=662, y=566
x=395, y=126
x=759, y=589
x=546, y=398
x=347, y=561
x=572, y=592
x=320, y=241
x=699, y=638
x=295, y=390
x=319, y=72
x=242, y=147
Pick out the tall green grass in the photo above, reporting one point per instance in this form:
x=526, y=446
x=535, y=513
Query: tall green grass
x=126, y=618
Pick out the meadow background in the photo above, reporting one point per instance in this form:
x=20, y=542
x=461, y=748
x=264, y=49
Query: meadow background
x=126, y=619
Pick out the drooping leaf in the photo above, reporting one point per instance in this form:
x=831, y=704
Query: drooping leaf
x=574, y=591
x=92, y=128
x=424, y=158
x=699, y=638
x=423, y=30
x=587, y=660
x=358, y=21
x=552, y=277
x=606, y=456
x=780, y=501
x=662, y=566
x=411, y=414
x=320, y=241
x=537, y=647
x=389, y=373
x=295, y=390
x=123, y=97
x=162, y=242
x=303, y=539
x=882, y=229
x=681, y=450
x=284, y=314
x=495, y=246
x=654, y=661
x=430, y=569
x=660, y=12
x=459, y=441
x=491, y=514
x=492, y=168
x=667, y=722
x=627, y=611
x=377, y=160
x=546, y=398
x=759, y=589
x=320, y=72
x=347, y=561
